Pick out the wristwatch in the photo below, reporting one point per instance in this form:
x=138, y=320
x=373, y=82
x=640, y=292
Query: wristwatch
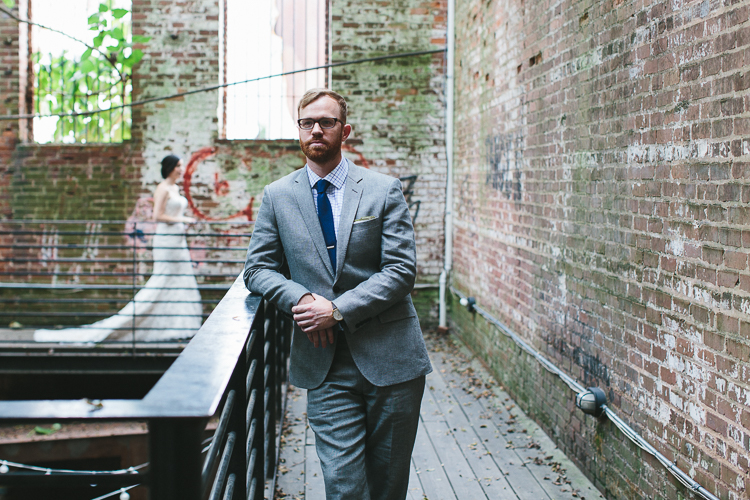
x=336, y=313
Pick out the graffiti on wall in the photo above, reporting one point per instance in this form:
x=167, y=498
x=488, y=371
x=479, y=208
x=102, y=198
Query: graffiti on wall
x=504, y=156
x=592, y=365
x=223, y=185
x=220, y=188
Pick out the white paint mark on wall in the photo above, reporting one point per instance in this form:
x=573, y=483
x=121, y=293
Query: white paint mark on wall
x=676, y=247
x=675, y=362
x=650, y=153
x=676, y=400
x=664, y=412
x=669, y=341
x=697, y=413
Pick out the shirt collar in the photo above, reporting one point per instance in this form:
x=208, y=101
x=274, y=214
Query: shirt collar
x=337, y=176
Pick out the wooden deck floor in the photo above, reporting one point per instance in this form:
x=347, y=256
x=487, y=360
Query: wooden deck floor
x=473, y=443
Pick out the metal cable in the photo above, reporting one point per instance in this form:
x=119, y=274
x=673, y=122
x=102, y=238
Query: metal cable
x=628, y=431
x=222, y=85
x=48, y=470
x=113, y=493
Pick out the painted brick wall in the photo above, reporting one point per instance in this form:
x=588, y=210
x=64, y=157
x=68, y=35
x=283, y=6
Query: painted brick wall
x=116, y=181
x=182, y=55
x=397, y=106
x=396, y=112
x=602, y=182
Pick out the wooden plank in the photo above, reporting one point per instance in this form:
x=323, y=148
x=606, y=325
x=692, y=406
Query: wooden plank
x=435, y=483
x=430, y=410
x=522, y=482
x=415, y=491
x=572, y=479
x=462, y=478
x=291, y=476
x=532, y=447
x=467, y=447
x=487, y=474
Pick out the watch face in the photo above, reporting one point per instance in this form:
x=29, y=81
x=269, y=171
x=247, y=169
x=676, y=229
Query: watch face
x=337, y=315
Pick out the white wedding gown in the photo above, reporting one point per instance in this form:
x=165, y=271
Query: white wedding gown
x=168, y=306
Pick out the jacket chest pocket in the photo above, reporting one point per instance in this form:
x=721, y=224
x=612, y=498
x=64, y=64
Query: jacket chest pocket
x=365, y=224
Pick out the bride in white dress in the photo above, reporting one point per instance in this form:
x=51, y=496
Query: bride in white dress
x=168, y=306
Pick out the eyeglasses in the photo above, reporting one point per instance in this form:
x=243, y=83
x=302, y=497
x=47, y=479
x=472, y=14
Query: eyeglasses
x=309, y=123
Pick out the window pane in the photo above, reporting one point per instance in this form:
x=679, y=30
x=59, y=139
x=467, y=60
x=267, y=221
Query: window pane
x=64, y=83
x=270, y=37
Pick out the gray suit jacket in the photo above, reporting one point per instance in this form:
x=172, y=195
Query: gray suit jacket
x=376, y=262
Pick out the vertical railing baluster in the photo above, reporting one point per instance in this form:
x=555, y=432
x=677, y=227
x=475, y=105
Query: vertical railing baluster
x=237, y=424
x=256, y=452
x=273, y=390
x=98, y=116
x=85, y=105
x=175, y=458
x=109, y=99
x=74, y=87
x=51, y=74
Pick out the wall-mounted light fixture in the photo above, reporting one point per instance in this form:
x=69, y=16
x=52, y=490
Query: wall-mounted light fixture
x=468, y=303
x=592, y=401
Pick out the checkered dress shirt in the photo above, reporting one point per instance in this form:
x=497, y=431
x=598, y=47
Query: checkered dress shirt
x=335, y=191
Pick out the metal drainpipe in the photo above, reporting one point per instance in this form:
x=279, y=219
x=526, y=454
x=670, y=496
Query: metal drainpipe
x=448, y=259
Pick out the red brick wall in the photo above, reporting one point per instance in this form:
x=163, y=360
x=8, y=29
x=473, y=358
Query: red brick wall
x=9, y=96
x=602, y=182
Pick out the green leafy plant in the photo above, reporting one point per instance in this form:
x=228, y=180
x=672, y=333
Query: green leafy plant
x=65, y=85
x=9, y=3
x=114, y=40
x=99, y=79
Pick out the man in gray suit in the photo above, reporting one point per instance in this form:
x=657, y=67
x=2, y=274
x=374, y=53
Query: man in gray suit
x=346, y=235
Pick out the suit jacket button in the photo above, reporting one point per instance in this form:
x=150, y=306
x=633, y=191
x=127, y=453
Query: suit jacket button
x=336, y=289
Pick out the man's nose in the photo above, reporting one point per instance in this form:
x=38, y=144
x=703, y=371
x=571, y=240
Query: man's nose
x=317, y=128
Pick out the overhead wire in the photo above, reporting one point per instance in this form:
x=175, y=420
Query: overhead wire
x=210, y=88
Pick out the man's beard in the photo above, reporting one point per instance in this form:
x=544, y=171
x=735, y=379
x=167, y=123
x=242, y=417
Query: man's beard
x=320, y=154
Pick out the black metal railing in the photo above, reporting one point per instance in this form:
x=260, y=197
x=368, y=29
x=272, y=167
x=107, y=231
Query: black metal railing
x=235, y=367
x=121, y=277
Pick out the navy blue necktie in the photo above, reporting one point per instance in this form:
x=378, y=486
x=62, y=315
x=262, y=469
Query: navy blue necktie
x=325, y=214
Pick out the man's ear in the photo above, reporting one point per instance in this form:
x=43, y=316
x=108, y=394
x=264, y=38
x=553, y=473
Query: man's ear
x=345, y=132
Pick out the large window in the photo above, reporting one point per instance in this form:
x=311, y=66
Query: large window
x=263, y=38
x=71, y=78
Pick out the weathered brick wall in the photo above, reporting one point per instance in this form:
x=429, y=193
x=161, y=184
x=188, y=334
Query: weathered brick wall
x=602, y=184
x=397, y=106
x=116, y=181
x=182, y=55
x=53, y=181
x=397, y=114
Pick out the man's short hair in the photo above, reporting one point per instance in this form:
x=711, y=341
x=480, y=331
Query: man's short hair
x=315, y=94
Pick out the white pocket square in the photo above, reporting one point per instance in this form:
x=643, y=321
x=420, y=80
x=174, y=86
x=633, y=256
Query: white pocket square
x=364, y=219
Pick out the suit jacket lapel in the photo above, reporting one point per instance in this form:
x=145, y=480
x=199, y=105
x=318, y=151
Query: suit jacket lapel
x=303, y=194
x=352, y=195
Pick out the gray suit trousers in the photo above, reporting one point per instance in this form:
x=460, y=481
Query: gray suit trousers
x=364, y=434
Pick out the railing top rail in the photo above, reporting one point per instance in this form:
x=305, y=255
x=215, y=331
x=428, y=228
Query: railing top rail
x=96, y=221
x=191, y=388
